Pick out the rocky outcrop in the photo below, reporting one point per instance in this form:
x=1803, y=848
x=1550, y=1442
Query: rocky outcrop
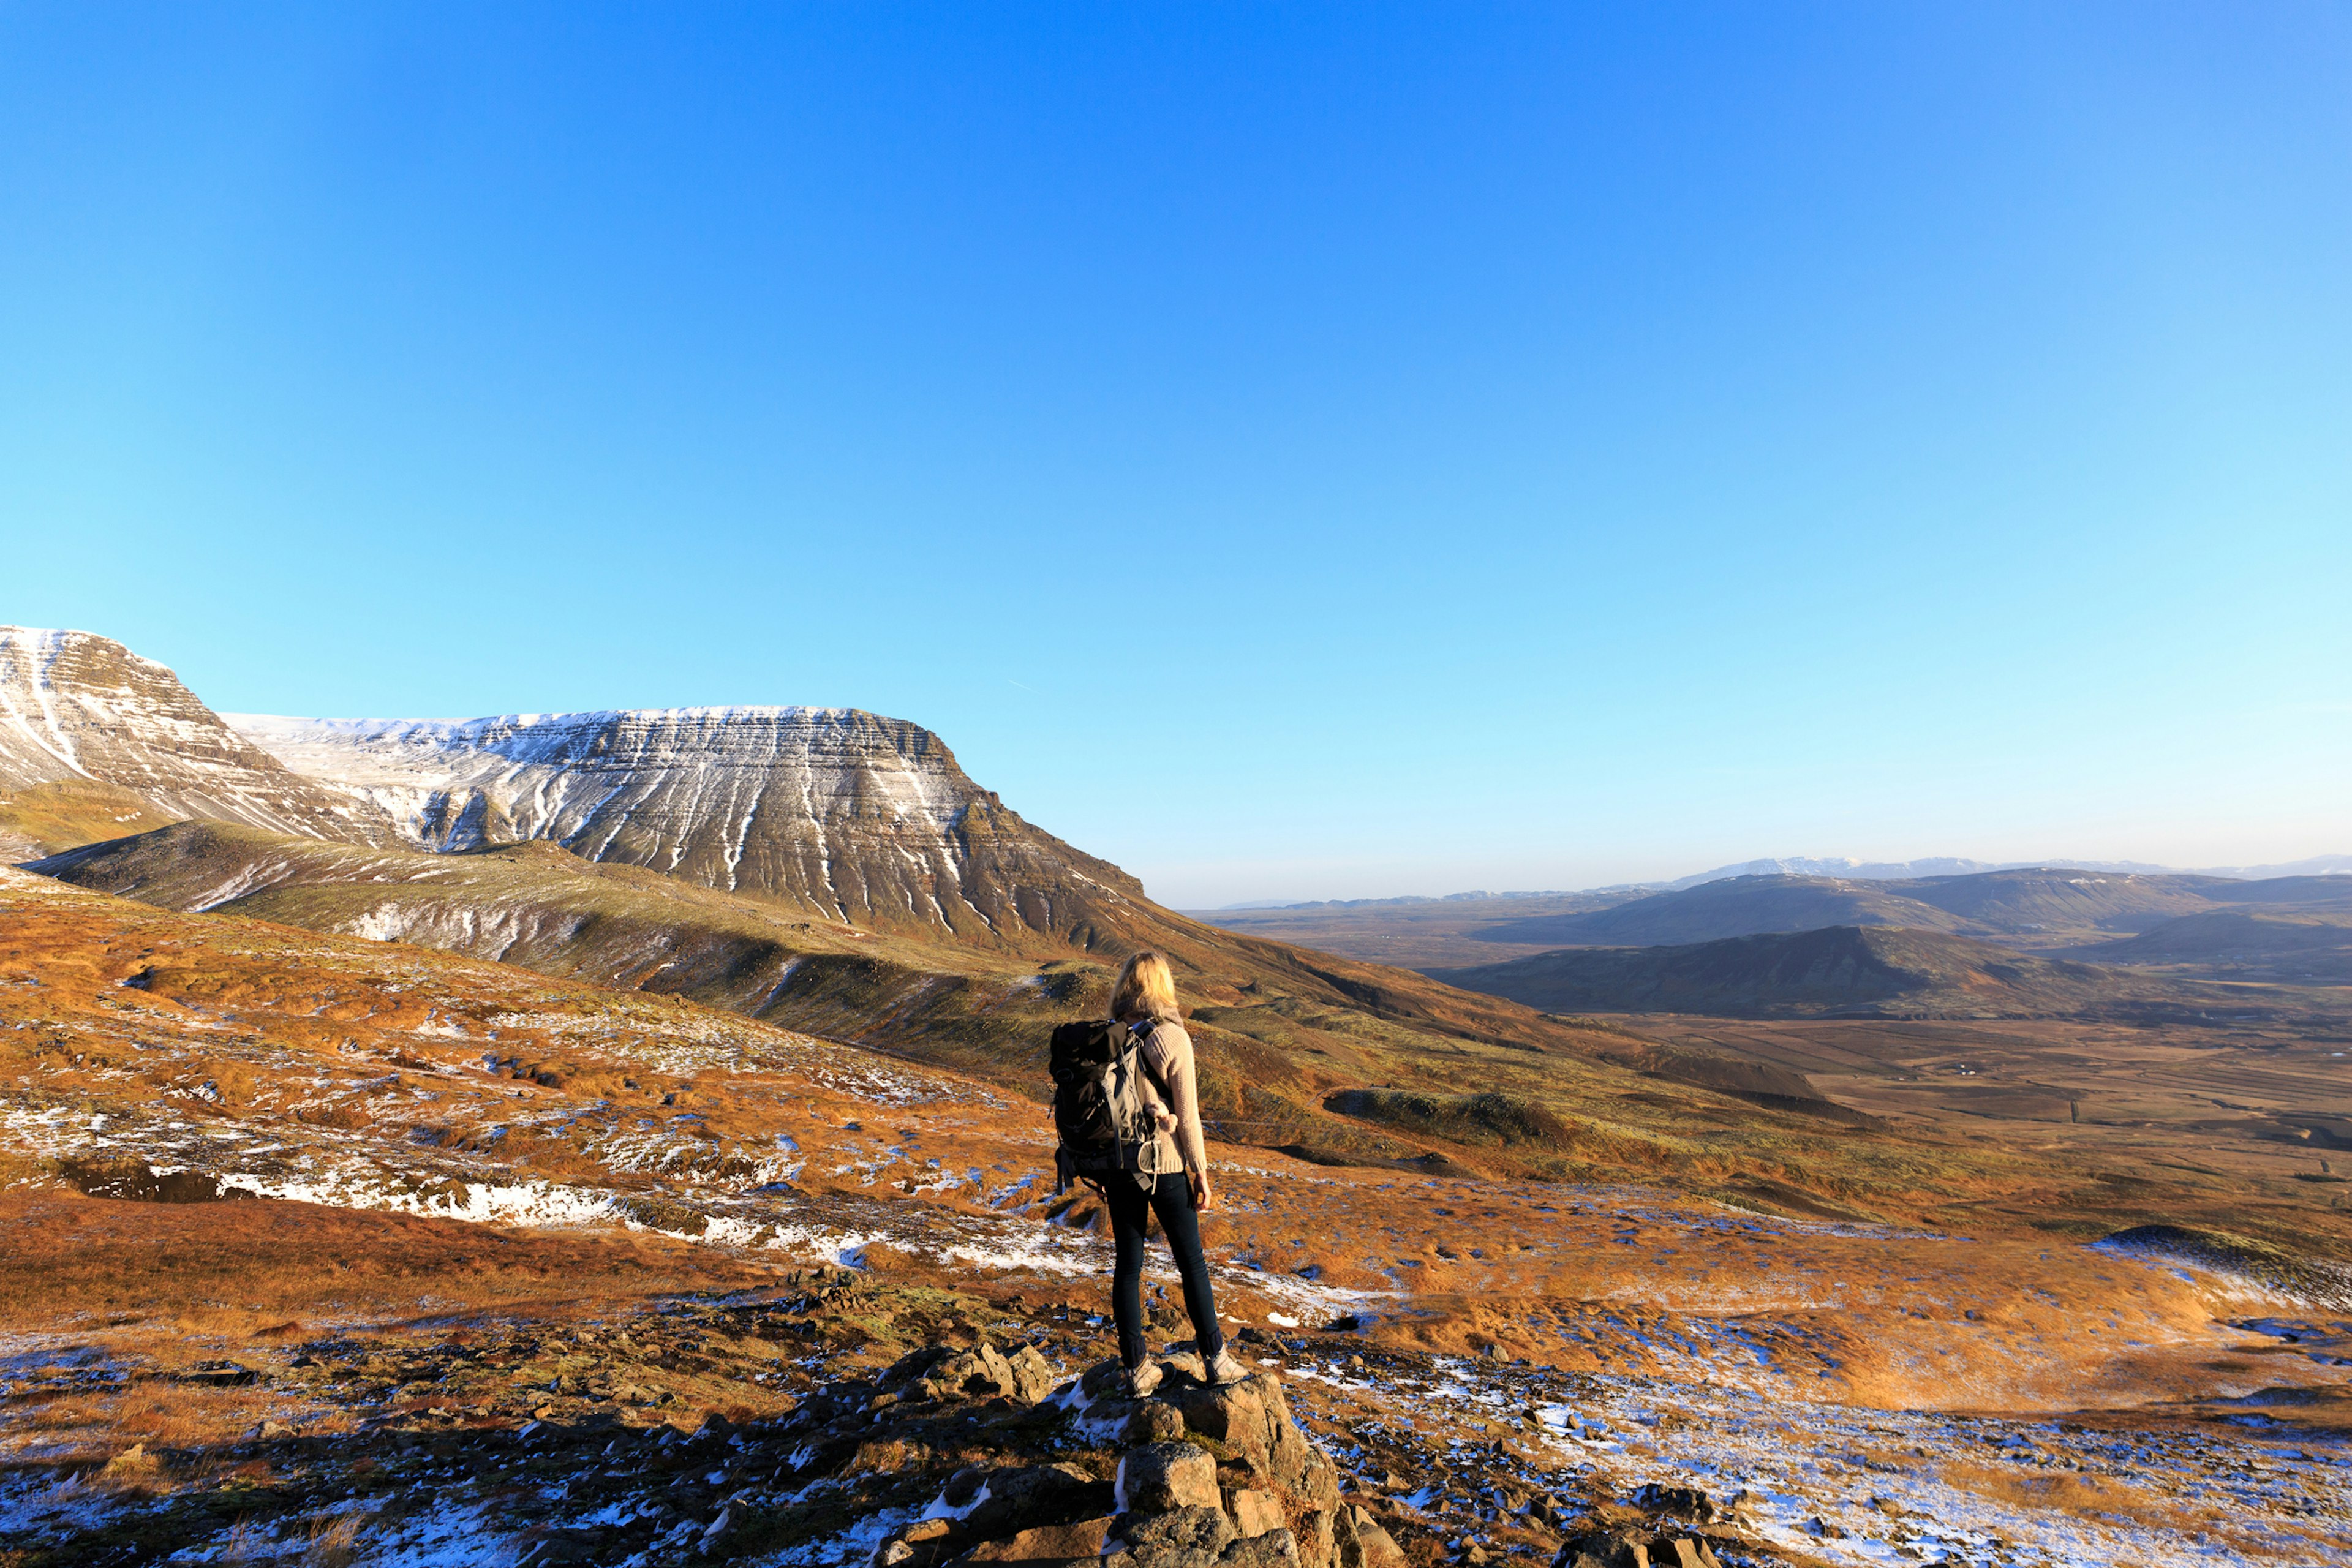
x=1199, y=1476
x=77, y=709
x=860, y=818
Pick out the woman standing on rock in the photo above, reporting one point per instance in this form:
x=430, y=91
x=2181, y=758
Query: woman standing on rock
x=1170, y=1178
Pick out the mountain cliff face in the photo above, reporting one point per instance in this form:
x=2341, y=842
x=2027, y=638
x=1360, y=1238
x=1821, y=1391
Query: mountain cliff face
x=84, y=716
x=860, y=818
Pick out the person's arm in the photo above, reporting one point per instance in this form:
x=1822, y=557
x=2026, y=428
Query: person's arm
x=1185, y=1100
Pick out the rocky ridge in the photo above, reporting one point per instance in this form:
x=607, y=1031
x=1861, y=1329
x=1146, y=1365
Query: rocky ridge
x=995, y=1440
x=82, y=710
x=836, y=811
x=846, y=814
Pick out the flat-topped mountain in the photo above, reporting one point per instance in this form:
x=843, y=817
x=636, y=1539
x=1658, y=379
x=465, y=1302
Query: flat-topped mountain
x=96, y=740
x=845, y=814
x=840, y=813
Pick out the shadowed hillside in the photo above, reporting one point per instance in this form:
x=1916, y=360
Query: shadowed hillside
x=1840, y=970
x=1737, y=906
x=2043, y=903
x=2041, y=910
x=2300, y=947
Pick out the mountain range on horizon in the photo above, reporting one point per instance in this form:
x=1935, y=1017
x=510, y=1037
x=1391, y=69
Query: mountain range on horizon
x=1837, y=865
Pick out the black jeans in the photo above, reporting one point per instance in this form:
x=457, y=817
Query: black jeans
x=1132, y=1209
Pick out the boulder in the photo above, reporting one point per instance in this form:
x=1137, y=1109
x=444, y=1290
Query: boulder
x=1153, y=1421
x=1361, y=1541
x=1232, y=1414
x=963, y=1374
x=1033, y=1374
x=1253, y=1418
x=942, y=1371
x=1033, y=1495
x=1161, y=1478
x=1316, y=1546
x=1104, y=1380
x=1320, y=1484
x=1202, y=1531
x=1080, y=1540
x=925, y=1544
x=1253, y=1512
x=1274, y=1549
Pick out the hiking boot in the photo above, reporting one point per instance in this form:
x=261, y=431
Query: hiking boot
x=1224, y=1369
x=1141, y=1380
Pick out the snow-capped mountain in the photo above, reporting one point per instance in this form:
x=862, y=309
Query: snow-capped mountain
x=858, y=817
x=78, y=708
x=1840, y=865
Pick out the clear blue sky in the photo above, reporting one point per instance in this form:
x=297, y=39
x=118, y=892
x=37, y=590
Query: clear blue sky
x=1291, y=450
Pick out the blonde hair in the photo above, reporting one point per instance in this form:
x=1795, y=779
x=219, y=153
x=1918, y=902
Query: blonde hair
x=1146, y=989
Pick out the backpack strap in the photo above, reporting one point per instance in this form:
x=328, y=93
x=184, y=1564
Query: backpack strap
x=1152, y=1027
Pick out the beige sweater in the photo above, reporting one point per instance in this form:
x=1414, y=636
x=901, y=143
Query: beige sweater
x=1168, y=1060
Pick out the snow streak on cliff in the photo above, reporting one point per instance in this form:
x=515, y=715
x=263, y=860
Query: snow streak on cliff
x=860, y=818
x=76, y=708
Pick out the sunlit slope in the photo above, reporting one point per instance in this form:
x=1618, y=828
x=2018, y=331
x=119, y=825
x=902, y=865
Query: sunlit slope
x=130, y=746
x=43, y=818
x=1338, y=1061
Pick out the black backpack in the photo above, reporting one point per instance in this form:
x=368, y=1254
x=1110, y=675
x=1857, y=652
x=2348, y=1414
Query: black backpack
x=1098, y=1104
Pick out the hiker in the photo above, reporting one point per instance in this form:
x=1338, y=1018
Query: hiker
x=1129, y=1118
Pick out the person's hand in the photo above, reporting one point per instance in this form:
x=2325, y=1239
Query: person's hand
x=1204, y=1197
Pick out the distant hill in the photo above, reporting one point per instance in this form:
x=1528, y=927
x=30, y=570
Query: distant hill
x=1413, y=932
x=1737, y=906
x=2053, y=904
x=2308, y=892
x=2057, y=900
x=1853, y=971
x=2300, y=947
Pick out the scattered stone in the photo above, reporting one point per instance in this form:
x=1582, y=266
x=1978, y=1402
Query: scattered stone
x=1033, y=1374
x=1683, y=1502
x=133, y=1464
